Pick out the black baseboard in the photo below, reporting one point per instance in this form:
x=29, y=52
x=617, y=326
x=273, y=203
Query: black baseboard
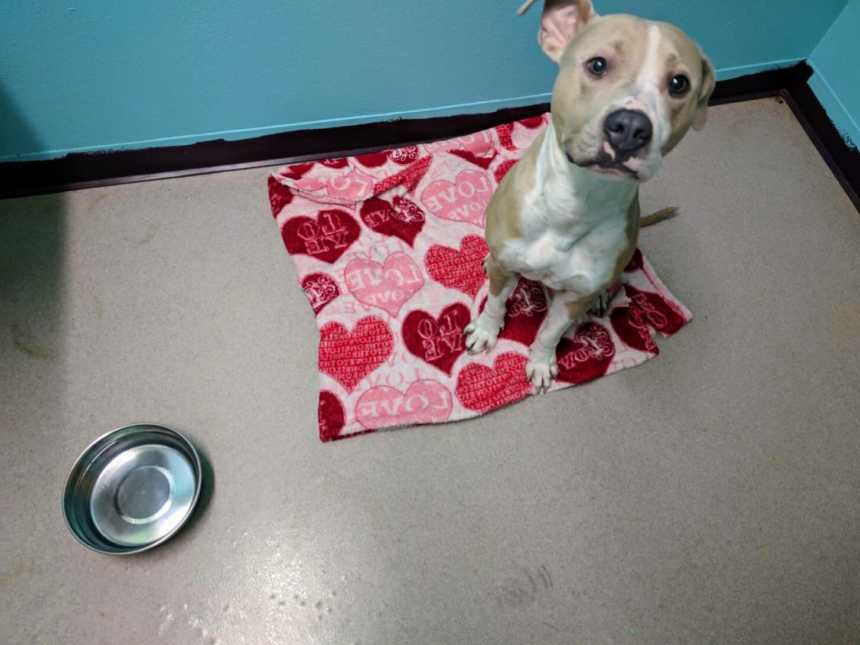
x=843, y=159
x=80, y=170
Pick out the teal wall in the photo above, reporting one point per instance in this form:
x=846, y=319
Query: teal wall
x=85, y=75
x=836, y=61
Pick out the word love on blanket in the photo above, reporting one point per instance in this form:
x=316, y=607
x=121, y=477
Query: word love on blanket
x=388, y=249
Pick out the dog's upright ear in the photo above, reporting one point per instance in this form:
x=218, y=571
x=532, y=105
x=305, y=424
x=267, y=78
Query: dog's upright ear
x=561, y=21
x=709, y=83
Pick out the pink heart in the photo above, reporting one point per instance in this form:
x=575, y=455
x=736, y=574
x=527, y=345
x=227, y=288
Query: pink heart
x=349, y=187
x=424, y=402
x=386, y=286
x=463, y=200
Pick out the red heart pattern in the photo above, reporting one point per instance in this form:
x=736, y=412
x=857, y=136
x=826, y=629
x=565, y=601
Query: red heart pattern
x=297, y=171
x=325, y=237
x=331, y=416
x=349, y=356
x=373, y=159
x=401, y=156
x=656, y=310
x=338, y=163
x=462, y=270
x=587, y=355
x=409, y=177
x=483, y=160
x=320, y=290
x=402, y=218
x=482, y=388
x=525, y=311
x=437, y=341
x=630, y=325
x=404, y=156
x=279, y=195
x=532, y=122
x=503, y=168
x=386, y=254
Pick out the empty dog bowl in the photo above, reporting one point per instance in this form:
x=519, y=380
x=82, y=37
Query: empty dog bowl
x=132, y=489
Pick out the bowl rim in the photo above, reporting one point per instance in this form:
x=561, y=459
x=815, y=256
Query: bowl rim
x=197, y=464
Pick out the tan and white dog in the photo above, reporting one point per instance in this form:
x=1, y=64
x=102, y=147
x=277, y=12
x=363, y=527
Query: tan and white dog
x=567, y=214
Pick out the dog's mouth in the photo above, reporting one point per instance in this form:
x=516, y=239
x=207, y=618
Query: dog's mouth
x=604, y=164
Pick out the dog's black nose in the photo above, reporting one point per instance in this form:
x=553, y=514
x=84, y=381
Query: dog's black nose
x=628, y=131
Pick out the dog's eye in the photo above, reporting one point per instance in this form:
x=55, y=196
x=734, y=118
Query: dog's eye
x=597, y=66
x=679, y=85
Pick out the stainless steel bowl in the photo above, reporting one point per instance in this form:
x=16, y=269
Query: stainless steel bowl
x=132, y=489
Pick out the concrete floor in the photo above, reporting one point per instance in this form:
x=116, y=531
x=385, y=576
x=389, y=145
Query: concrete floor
x=712, y=495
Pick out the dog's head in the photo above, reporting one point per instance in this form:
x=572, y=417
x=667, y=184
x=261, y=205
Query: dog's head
x=628, y=89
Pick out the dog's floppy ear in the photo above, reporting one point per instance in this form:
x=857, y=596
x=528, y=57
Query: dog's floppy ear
x=709, y=83
x=561, y=21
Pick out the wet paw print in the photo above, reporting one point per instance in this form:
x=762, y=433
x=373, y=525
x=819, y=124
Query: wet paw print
x=320, y=606
x=188, y=621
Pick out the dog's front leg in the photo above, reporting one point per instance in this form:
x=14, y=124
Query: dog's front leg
x=565, y=310
x=482, y=334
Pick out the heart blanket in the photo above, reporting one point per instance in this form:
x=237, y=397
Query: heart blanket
x=388, y=248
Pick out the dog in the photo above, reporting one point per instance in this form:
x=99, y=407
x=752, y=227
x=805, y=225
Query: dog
x=567, y=214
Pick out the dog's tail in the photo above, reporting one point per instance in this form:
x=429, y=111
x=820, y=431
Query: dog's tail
x=659, y=216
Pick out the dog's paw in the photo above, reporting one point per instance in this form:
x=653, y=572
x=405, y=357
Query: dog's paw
x=481, y=336
x=540, y=372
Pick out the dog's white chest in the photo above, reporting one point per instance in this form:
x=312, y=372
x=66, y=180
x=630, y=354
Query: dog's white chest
x=566, y=261
x=573, y=226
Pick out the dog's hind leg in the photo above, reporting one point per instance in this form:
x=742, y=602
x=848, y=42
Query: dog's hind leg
x=482, y=334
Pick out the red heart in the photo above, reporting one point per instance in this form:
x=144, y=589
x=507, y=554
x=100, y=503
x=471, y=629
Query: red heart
x=404, y=156
x=587, y=355
x=482, y=388
x=298, y=170
x=373, y=159
x=410, y=176
x=404, y=219
x=503, y=169
x=331, y=416
x=505, y=132
x=630, y=325
x=636, y=262
x=656, y=310
x=525, y=311
x=325, y=237
x=339, y=162
x=320, y=289
x=483, y=160
x=461, y=270
x=279, y=195
x=349, y=356
x=437, y=341
x=532, y=122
